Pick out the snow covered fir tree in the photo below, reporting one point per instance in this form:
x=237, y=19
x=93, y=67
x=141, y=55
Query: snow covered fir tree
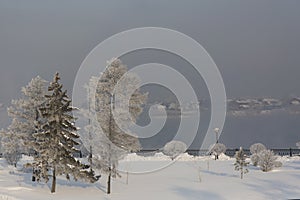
x=240, y=162
x=55, y=140
x=112, y=143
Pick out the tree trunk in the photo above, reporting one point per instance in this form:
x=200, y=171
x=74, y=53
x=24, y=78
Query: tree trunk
x=216, y=157
x=109, y=137
x=242, y=172
x=33, y=175
x=53, y=181
x=109, y=182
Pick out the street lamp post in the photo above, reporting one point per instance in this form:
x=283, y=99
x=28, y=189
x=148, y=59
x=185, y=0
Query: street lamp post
x=217, y=130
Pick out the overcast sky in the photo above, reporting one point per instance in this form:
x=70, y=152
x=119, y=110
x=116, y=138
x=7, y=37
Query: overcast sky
x=254, y=43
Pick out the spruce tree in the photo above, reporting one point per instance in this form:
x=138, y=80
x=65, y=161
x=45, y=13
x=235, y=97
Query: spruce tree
x=55, y=141
x=241, y=163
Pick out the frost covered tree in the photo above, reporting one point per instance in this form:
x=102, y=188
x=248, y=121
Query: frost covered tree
x=298, y=144
x=11, y=146
x=255, y=149
x=240, y=162
x=174, y=148
x=267, y=160
x=218, y=149
x=113, y=142
x=24, y=112
x=55, y=142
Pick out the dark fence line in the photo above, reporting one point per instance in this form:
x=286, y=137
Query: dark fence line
x=281, y=152
x=229, y=152
x=196, y=152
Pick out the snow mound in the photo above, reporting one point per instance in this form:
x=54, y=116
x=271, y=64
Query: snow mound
x=158, y=157
x=186, y=157
x=155, y=157
x=161, y=157
x=288, y=159
x=5, y=197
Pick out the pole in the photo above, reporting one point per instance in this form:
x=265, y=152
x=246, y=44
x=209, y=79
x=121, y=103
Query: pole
x=217, y=134
x=90, y=136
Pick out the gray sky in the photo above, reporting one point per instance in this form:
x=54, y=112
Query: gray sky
x=254, y=43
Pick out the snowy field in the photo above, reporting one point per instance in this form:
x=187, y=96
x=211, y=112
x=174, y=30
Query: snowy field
x=187, y=178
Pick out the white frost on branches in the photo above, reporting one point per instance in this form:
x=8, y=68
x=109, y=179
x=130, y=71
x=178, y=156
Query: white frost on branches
x=174, y=148
x=255, y=149
x=109, y=140
x=55, y=141
x=24, y=112
x=241, y=163
x=218, y=149
x=10, y=143
x=298, y=144
x=267, y=160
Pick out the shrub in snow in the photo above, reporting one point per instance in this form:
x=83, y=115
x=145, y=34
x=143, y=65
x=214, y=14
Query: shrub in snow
x=254, y=159
x=255, y=149
x=218, y=149
x=12, y=158
x=240, y=162
x=267, y=160
x=277, y=164
x=11, y=146
x=174, y=148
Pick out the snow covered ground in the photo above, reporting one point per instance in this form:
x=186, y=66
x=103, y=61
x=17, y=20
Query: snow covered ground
x=187, y=178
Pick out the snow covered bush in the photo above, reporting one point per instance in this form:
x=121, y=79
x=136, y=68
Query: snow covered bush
x=277, y=164
x=10, y=146
x=254, y=159
x=218, y=149
x=241, y=163
x=255, y=149
x=267, y=160
x=174, y=148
